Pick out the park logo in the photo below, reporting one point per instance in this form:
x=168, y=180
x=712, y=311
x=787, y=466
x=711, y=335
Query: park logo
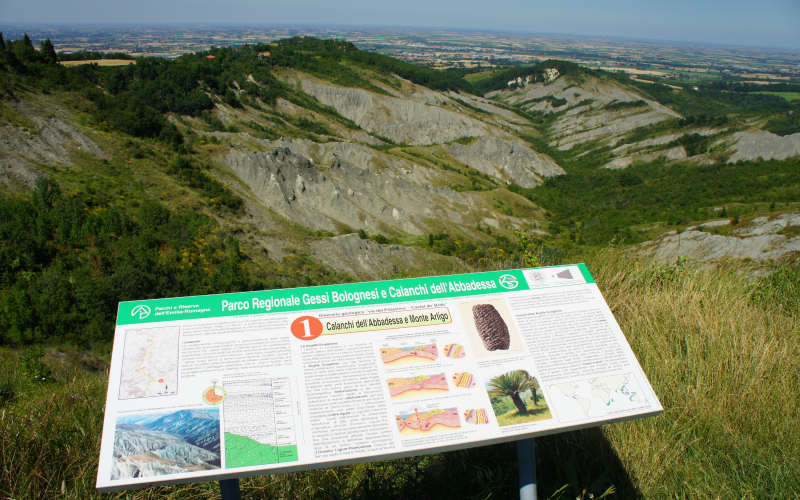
x=508, y=281
x=141, y=310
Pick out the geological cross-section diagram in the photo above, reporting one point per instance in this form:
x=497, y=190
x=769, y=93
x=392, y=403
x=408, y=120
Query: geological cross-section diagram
x=420, y=385
x=428, y=421
x=411, y=354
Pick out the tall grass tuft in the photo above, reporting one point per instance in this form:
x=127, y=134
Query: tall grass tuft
x=726, y=368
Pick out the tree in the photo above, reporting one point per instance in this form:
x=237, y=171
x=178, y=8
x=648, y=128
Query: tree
x=512, y=384
x=2, y=42
x=48, y=52
x=534, y=391
x=24, y=49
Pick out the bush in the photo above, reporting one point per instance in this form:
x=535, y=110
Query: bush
x=66, y=261
x=194, y=176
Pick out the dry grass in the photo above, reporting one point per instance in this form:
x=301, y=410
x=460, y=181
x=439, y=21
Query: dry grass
x=726, y=371
x=100, y=62
x=726, y=368
x=634, y=71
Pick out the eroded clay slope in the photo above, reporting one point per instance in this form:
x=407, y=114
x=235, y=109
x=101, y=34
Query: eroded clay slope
x=759, y=239
x=44, y=134
x=403, y=120
x=342, y=185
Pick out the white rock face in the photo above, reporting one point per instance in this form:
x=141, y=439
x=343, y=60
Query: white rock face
x=769, y=225
x=673, y=153
x=755, y=144
x=570, y=131
x=50, y=141
x=506, y=159
x=407, y=120
x=346, y=184
x=367, y=260
x=495, y=113
x=758, y=239
x=585, y=117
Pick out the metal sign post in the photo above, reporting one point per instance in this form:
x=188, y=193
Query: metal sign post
x=229, y=489
x=526, y=460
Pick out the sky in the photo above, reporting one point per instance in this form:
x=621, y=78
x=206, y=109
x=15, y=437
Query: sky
x=761, y=23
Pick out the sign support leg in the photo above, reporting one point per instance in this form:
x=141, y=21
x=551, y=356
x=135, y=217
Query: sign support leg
x=526, y=461
x=229, y=489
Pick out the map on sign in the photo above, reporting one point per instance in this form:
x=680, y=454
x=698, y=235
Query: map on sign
x=597, y=397
x=150, y=363
x=232, y=385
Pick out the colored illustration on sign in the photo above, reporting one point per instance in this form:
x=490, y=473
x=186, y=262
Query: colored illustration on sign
x=455, y=351
x=476, y=416
x=426, y=353
x=465, y=380
x=214, y=395
x=421, y=385
x=429, y=421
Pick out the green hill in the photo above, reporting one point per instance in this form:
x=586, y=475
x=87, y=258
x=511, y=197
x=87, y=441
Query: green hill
x=308, y=162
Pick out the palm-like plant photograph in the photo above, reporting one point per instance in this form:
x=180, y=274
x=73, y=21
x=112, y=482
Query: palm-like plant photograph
x=517, y=398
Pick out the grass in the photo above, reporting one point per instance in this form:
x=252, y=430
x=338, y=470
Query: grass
x=13, y=117
x=481, y=75
x=515, y=417
x=600, y=206
x=721, y=363
x=790, y=231
x=100, y=62
x=721, y=351
x=789, y=96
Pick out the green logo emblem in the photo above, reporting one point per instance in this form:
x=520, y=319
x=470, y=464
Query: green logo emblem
x=508, y=281
x=141, y=310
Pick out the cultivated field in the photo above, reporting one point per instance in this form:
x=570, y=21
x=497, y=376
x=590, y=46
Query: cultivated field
x=100, y=62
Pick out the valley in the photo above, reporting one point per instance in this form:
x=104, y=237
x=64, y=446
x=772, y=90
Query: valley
x=307, y=161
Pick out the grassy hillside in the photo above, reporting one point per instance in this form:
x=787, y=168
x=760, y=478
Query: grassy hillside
x=601, y=206
x=721, y=351
x=157, y=216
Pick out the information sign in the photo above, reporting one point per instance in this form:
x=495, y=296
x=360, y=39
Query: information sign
x=224, y=386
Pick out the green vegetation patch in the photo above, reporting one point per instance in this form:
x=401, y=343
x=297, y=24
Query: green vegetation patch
x=67, y=260
x=599, y=206
x=789, y=96
x=498, y=80
x=335, y=60
x=785, y=123
x=13, y=117
x=709, y=100
x=554, y=101
x=191, y=174
x=619, y=105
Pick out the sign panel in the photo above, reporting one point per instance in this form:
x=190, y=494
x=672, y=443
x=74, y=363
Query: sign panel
x=224, y=386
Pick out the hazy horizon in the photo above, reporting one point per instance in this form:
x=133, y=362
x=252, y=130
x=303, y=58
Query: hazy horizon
x=739, y=23
x=21, y=25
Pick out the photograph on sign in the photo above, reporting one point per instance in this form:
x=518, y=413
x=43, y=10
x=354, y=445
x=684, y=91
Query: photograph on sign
x=224, y=386
x=490, y=330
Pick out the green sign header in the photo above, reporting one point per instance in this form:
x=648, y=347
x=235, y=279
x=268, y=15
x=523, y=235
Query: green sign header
x=324, y=297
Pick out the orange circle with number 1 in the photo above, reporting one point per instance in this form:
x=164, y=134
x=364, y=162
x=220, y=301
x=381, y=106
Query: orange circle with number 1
x=306, y=328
